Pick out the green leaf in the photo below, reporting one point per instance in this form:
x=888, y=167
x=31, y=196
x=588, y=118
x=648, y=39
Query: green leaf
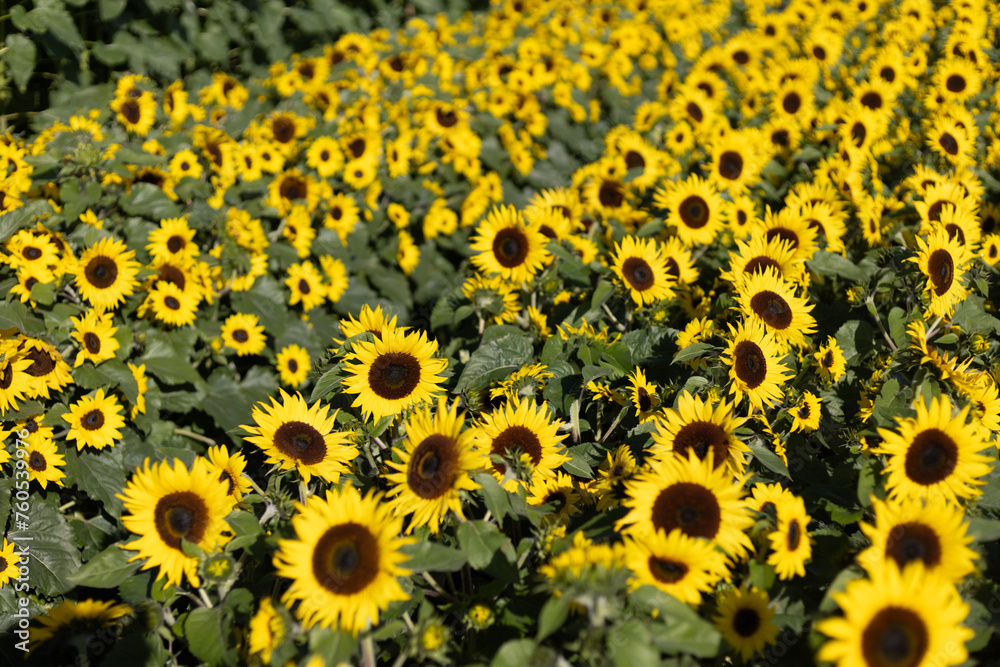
x=496, y=498
x=166, y=356
x=619, y=356
x=495, y=360
x=54, y=554
x=552, y=616
x=426, y=556
x=602, y=293
x=138, y=158
x=480, y=540
x=60, y=23
x=630, y=645
x=6, y=486
x=983, y=529
x=20, y=58
x=268, y=301
x=149, y=201
x=110, y=9
x=693, y=351
x=516, y=653
x=207, y=633
x=107, y=569
x=229, y=402
x=855, y=340
x=762, y=574
x=109, y=374
x=22, y=217
x=246, y=530
x=897, y=326
x=768, y=459
x=101, y=475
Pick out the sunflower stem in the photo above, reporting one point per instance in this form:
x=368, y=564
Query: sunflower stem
x=437, y=587
x=253, y=484
x=934, y=328
x=205, y=598
x=870, y=302
x=618, y=325
x=368, y=650
x=194, y=436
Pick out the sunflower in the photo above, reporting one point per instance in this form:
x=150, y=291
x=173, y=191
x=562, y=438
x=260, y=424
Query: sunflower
x=790, y=225
x=935, y=454
x=736, y=164
x=291, y=186
x=243, y=333
x=95, y=420
x=612, y=476
x=767, y=299
x=185, y=163
x=393, y=372
x=370, y=321
x=956, y=79
x=169, y=504
x=644, y=396
x=14, y=381
x=790, y=543
x=136, y=114
x=696, y=210
x=507, y=245
x=932, y=531
x=230, y=469
x=760, y=254
x=806, y=413
x=173, y=240
x=703, y=428
x=692, y=495
x=344, y=561
x=172, y=305
x=44, y=461
x=434, y=465
x=943, y=260
x=96, y=336
x=830, y=361
x=561, y=493
x=47, y=371
x=78, y=624
x=682, y=566
x=106, y=274
x=268, y=629
x=746, y=621
x=342, y=215
x=139, y=373
x=294, y=436
x=642, y=267
x=293, y=365
x=754, y=366
x=524, y=434
x=952, y=142
x=913, y=617
x=9, y=558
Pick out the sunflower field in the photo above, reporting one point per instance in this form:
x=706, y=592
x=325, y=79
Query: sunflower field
x=535, y=333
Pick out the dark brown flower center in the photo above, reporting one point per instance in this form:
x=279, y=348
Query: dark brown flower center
x=433, y=467
x=895, y=637
x=283, y=129
x=176, y=243
x=702, y=438
x=931, y=457
x=93, y=420
x=516, y=438
x=293, y=366
x=31, y=253
x=688, y=506
x=610, y=194
x=941, y=269
x=634, y=160
x=394, y=375
x=638, y=273
x=872, y=100
x=241, y=336
x=510, y=247
x=181, y=515
x=37, y=462
x=42, y=363
x=92, y=342
x=750, y=363
x=695, y=112
x=131, y=111
x=357, y=148
x=667, y=571
x=346, y=559
x=794, y=535
x=446, y=118
x=694, y=212
x=912, y=541
x=948, y=143
x=293, y=187
x=304, y=286
x=955, y=83
x=746, y=622
x=791, y=103
x=771, y=308
x=784, y=234
x=172, y=303
x=101, y=272
x=760, y=264
x=300, y=442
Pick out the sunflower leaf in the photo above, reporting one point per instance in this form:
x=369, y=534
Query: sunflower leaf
x=497, y=500
x=207, y=634
x=630, y=645
x=149, y=201
x=693, y=351
x=107, y=569
x=100, y=475
x=53, y=553
x=552, y=616
x=480, y=540
x=768, y=459
x=494, y=360
x=431, y=557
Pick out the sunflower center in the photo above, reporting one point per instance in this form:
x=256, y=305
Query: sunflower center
x=645, y=402
x=31, y=253
x=432, y=466
x=792, y=103
x=888, y=74
x=695, y=112
x=746, y=622
x=293, y=365
x=931, y=457
x=955, y=232
x=293, y=188
x=955, y=83
x=949, y=144
x=172, y=303
x=610, y=194
x=283, y=130
x=130, y=111
x=794, y=536
x=446, y=118
x=667, y=571
x=181, y=515
x=357, y=148
x=702, y=437
x=510, y=247
x=730, y=165
x=516, y=437
x=101, y=272
x=227, y=479
x=872, y=100
x=92, y=342
x=771, y=308
x=37, y=463
x=858, y=134
x=634, y=160
x=750, y=363
x=828, y=359
x=941, y=268
x=3, y=564
x=93, y=420
x=241, y=336
x=914, y=541
x=780, y=138
x=41, y=363
x=304, y=286
x=895, y=637
x=783, y=234
x=761, y=264
x=7, y=377
x=394, y=375
x=694, y=212
x=301, y=442
x=688, y=506
x=171, y=274
x=638, y=273
x=346, y=559
x=176, y=243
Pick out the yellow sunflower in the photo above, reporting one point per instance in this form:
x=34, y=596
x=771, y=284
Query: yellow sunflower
x=14, y=381
x=644, y=396
x=78, y=623
x=393, y=372
x=830, y=361
x=434, y=465
x=295, y=436
x=172, y=305
x=932, y=531
x=44, y=462
x=268, y=629
x=306, y=285
x=168, y=504
x=243, y=333
x=641, y=266
x=47, y=372
x=173, y=240
x=95, y=420
x=935, y=454
x=691, y=495
x=766, y=298
x=806, y=413
x=230, y=469
x=106, y=273
x=696, y=210
x=754, y=365
x=760, y=254
x=96, y=336
x=943, y=260
x=507, y=245
x=790, y=543
x=704, y=428
x=137, y=114
x=736, y=163
x=9, y=558
x=679, y=565
x=344, y=561
x=746, y=621
x=522, y=442
x=293, y=365
x=913, y=617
